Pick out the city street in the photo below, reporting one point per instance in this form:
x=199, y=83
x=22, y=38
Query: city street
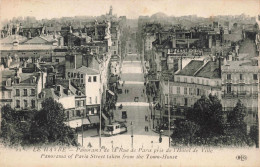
x=133, y=79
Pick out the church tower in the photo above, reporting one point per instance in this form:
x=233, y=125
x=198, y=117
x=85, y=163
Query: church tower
x=111, y=11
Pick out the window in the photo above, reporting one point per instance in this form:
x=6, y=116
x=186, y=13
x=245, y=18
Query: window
x=3, y=94
x=255, y=77
x=198, y=92
x=241, y=76
x=17, y=103
x=81, y=81
x=174, y=100
x=114, y=52
x=96, y=100
x=170, y=91
x=78, y=113
x=89, y=79
x=81, y=75
x=95, y=79
x=229, y=76
x=241, y=88
x=33, y=103
x=185, y=79
x=25, y=92
x=17, y=92
x=190, y=91
x=68, y=74
x=229, y=88
x=178, y=90
x=90, y=100
x=25, y=103
x=185, y=91
x=57, y=60
x=185, y=101
x=32, y=92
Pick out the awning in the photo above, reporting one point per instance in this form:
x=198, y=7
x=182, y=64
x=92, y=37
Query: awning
x=112, y=93
x=77, y=123
x=104, y=116
x=94, y=119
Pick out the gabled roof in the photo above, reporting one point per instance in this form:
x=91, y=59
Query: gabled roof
x=43, y=39
x=209, y=70
x=37, y=40
x=10, y=39
x=88, y=71
x=191, y=68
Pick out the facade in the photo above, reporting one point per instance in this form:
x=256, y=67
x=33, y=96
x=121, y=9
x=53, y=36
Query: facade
x=194, y=80
x=240, y=82
x=25, y=89
x=89, y=82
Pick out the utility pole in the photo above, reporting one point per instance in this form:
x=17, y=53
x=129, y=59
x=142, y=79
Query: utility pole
x=82, y=128
x=169, y=115
x=132, y=136
x=100, y=111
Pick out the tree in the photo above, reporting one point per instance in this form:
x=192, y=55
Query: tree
x=10, y=126
x=207, y=113
x=185, y=131
x=49, y=125
x=254, y=133
x=237, y=115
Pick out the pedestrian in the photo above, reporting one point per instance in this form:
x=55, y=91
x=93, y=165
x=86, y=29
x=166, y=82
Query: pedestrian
x=97, y=130
x=125, y=91
x=147, y=129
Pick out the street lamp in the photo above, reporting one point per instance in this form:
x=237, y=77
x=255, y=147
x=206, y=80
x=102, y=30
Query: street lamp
x=160, y=138
x=132, y=135
x=82, y=127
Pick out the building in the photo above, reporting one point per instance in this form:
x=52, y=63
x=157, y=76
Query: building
x=240, y=82
x=194, y=80
x=6, y=87
x=89, y=82
x=25, y=89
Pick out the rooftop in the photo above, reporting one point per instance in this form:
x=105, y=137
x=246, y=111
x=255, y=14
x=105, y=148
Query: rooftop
x=209, y=70
x=27, y=47
x=190, y=68
x=10, y=39
x=88, y=71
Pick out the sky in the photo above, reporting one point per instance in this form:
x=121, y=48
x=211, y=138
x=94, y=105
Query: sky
x=130, y=8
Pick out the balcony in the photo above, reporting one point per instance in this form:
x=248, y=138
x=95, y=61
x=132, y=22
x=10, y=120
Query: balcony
x=239, y=94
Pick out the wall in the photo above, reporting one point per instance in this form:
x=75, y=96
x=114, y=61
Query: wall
x=92, y=89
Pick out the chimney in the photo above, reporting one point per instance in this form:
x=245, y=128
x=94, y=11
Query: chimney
x=69, y=84
x=42, y=78
x=160, y=38
x=173, y=41
x=219, y=63
x=210, y=41
x=205, y=61
x=54, y=79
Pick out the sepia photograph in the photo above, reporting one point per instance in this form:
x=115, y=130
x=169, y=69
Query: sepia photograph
x=129, y=83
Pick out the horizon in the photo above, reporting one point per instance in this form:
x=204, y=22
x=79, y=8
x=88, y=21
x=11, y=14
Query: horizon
x=131, y=9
